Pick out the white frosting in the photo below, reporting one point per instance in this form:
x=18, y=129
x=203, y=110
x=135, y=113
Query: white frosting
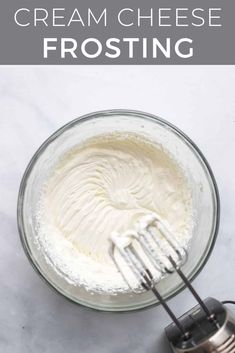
x=102, y=186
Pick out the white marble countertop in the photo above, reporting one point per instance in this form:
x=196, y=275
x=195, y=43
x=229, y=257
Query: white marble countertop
x=36, y=101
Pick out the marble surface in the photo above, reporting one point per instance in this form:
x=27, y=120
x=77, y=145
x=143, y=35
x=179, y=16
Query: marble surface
x=34, y=102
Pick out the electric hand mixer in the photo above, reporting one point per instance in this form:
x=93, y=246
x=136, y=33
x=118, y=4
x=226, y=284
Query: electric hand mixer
x=150, y=251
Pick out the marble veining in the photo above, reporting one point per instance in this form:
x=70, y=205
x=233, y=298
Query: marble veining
x=34, y=102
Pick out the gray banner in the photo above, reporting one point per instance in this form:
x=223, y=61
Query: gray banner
x=117, y=32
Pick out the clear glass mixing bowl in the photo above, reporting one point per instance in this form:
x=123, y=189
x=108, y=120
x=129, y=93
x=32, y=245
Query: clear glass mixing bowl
x=204, y=190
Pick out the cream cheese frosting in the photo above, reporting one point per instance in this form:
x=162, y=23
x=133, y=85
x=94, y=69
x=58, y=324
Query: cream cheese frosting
x=103, y=185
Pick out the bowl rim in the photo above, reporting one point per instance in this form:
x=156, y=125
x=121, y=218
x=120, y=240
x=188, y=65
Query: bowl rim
x=108, y=113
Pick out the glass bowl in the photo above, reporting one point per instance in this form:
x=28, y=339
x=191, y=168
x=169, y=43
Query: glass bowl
x=204, y=193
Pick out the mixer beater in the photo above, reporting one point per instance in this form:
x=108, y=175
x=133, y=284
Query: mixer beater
x=148, y=252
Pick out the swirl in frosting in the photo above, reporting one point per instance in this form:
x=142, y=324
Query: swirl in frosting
x=105, y=185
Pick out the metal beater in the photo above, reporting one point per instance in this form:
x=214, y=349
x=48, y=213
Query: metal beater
x=150, y=251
